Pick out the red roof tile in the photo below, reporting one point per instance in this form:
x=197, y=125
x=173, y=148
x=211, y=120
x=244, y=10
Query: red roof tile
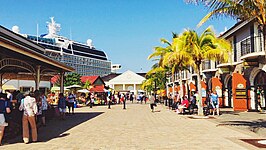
x=97, y=88
x=92, y=79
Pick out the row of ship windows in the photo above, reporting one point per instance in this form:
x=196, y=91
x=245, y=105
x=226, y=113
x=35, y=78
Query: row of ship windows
x=82, y=68
x=100, y=73
x=88, y=64
x=82, y=59
x=91, y=72
x=94, y=62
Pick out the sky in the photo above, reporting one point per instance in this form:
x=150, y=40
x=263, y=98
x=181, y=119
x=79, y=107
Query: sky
x=126, y=30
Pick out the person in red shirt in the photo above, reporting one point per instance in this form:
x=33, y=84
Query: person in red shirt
x=184, y=104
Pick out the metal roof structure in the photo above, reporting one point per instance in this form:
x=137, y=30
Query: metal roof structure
x=23, y=59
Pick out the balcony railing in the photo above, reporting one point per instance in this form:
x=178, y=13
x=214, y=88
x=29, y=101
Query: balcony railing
x=206, y=65
x=251, y=45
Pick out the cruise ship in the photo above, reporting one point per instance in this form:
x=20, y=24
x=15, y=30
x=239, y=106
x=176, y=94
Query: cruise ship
x=84, y=58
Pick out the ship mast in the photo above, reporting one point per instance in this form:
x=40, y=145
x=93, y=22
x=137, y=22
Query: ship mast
x=53, y=28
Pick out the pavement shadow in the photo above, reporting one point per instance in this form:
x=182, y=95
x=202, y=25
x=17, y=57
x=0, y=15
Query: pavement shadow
x=156, y=111
x=56, y=128
x=230, y=112
x=253, y=125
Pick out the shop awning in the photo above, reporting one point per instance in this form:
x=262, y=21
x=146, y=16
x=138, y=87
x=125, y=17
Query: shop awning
x=83, y=91
x=55, y=88
x=8, y=87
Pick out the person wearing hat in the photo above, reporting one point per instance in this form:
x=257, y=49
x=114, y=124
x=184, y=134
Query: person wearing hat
x=29, y=107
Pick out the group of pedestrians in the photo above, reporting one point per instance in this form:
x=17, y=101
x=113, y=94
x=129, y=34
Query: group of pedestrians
x=33, y=106
x=212, y=103
x=178, y=104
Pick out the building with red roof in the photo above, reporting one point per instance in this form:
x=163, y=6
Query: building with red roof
x=96, y=82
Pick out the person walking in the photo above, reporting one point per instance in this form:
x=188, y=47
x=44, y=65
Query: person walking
x=215, y=102
x=29, y=107
x=71, y=100
x=92, y=100
x=4, y=108
x=123, y=100
x=44, y=108
x=170, y=101
x=131, y=97
x=62, y=106
x=152, y=102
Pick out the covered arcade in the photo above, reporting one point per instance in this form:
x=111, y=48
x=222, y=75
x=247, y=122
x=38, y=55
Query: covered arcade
x=25, y=60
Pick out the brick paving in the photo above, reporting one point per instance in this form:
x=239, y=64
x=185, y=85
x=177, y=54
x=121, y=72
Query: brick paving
x=134, y=128
x=246, y=121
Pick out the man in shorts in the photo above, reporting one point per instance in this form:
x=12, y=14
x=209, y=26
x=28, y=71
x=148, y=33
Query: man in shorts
x=215, y=102
x=62, y=106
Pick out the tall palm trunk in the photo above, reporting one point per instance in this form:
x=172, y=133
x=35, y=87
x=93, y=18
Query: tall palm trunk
x=181, y=85
x=200, y=108
x=173, y=87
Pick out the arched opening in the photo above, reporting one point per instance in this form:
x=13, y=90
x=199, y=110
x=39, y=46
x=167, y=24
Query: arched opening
x=209, y=85
x=260, y=88
x=230, y=93
x=11, y=68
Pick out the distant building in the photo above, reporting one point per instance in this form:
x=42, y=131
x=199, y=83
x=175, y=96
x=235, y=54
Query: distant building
x=115, y=67
x=128, y=81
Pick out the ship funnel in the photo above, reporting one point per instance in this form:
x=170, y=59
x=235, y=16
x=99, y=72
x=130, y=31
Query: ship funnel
x=89, y=43
x=15, y=29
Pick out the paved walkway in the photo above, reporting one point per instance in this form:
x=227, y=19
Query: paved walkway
x=134, y=128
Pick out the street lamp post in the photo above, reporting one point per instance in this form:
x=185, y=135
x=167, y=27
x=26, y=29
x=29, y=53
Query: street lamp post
x=109, y=104
x=155, y=90
x=109, y=97
x=124, y=103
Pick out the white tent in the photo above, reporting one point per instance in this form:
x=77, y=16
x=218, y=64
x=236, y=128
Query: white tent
x=83, y=91
x=73, y=86
x=55, y=88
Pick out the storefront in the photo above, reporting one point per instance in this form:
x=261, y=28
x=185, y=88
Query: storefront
x=257, y=80
x=218, y=86
x=240, y=92
x=260, y=88
x=227, y=91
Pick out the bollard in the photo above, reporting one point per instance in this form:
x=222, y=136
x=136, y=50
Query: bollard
x=124, y=102
x=109, y=104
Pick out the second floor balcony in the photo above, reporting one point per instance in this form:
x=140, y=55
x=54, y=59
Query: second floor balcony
x=251, y=47
x=208, y=66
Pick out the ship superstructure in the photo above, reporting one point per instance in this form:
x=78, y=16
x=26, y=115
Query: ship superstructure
x=85, y=58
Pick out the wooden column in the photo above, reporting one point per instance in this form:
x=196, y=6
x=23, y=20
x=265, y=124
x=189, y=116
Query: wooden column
x=62, y=82
x=38, y=77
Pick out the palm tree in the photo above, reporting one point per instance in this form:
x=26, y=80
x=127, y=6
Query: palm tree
x=204, y=47
x=177, y=59
x=160, y=52
x=87, y=85
x=238, y=9
x=155, y=78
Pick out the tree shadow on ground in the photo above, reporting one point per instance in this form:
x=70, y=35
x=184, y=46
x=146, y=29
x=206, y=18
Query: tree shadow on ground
x=56, y=128
x=253, y=125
